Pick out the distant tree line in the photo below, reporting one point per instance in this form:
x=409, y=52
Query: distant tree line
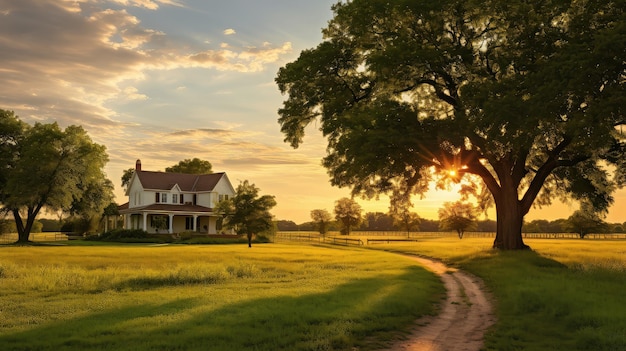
x=378, y=221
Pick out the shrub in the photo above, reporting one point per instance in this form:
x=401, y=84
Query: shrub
x=122, y=235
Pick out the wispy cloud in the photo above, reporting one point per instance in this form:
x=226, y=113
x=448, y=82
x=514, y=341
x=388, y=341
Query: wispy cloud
x=64, y=60
x=229, y=31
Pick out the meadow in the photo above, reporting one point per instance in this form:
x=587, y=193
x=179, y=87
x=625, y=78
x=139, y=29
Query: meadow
x=566, y=294
x=208, y=297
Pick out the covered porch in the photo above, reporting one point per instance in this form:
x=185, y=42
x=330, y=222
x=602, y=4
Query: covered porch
x=171, y=219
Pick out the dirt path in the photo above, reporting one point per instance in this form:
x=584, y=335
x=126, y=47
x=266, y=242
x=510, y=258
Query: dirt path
x=464, y=317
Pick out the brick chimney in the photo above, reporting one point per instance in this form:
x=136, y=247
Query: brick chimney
x=138, y=166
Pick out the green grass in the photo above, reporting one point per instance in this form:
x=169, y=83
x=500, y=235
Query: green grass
x=564, y=295
x=270, y=297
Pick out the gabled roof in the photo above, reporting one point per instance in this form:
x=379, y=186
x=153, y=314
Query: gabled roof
x=186, y=182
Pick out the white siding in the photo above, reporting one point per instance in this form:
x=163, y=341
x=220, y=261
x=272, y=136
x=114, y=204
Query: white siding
x=204, y=199
x=136, y=194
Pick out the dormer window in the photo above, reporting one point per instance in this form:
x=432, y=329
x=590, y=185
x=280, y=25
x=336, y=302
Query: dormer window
x=164, y=197
x=174, y=198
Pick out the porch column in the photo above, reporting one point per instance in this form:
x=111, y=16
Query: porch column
x=195, y=220
x=127, y=221
x=171, y=229
x=145, y=221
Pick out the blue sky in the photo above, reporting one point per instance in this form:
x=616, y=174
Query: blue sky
x=166, y=80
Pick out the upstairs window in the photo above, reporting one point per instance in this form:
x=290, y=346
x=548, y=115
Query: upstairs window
x=157, y=198
x=174, y=198
x=181, y=198
x=164, y=197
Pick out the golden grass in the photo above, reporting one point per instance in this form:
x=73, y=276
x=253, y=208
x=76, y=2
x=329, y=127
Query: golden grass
x=275, y=296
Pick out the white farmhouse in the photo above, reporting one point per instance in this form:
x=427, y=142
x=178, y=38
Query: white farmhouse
x=161, y=202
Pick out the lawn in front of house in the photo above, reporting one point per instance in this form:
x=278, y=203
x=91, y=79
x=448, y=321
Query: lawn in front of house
x=200, y=297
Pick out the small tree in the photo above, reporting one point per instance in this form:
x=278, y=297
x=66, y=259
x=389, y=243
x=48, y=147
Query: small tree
x=246, y=212
x=348, y=213
x=127, y=175
x=585, y=221
x=400, y=210
x=458, y=216
x=322, y=219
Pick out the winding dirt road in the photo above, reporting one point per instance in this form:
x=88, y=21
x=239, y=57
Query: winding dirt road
x=465, y=315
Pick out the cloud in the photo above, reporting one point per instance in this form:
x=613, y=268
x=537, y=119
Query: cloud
x=148, y=4
x=229, y=31
x=67, y=60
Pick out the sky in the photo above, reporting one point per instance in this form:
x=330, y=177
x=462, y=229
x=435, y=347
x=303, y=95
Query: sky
x=167, y=80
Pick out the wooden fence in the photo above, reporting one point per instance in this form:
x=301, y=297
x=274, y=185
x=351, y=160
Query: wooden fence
x=367, y=237
x=48, y=236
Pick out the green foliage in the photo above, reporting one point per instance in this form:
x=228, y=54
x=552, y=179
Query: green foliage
x=247, y=212
x=121, y=235
x=322, y=219
x=400, y=211
x=584, y=222
x=50, y=225
x=8, y=226
x=524, y=96
x=127, y=176
x=61, y=170
x=191, y=166
x=348, y=213
x=458, y=216
x=377, y=221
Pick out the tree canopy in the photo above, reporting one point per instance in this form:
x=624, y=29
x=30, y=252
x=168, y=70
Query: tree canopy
x=349, y=213
x=458, y=216
x=322, y=219
x=46, y=166
x=191, y=166
x=247, y=212
x=585, y=221
x=526, y=97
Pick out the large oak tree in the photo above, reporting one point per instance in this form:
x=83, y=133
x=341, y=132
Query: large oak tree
x=527, y=96
x=46, y=166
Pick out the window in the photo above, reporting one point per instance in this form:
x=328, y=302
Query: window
x=158, y=198
x=174, y=198
x=164, y=197
x=223, y=197
x=181, y=198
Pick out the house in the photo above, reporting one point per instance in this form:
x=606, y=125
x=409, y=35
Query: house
x=161, y=202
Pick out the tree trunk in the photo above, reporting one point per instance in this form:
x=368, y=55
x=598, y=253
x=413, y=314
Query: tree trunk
x=509, y=222
x=23, y=231
x=249, y=239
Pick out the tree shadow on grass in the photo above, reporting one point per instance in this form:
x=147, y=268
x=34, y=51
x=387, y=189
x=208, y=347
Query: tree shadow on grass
x=326, y=321
x=545, y=305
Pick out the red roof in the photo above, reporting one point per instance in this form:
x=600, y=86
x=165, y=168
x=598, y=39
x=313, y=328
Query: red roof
x=186, y=182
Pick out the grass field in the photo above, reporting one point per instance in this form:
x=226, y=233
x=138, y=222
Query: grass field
x=564, y=295
x=270, y=297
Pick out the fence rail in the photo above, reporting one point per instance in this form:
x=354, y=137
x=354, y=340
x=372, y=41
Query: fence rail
x=48, y=236
x=389, y=236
